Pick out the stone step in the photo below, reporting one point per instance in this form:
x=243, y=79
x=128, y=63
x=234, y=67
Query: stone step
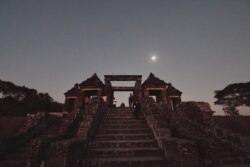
x=233, y=159
x=119, y=111
x=227, y=154
x=49, y=133
x=47, y=136
x=124, y=126
x=119, y=114
x=125, y=162
x=246, y=160
x=124, y=144
x=22, y=149
x=121, y=124
x=125, y=131
x=17, y=156
x=124, y=137
x=128, y=114
x=224, y=149
x=119, y=117
x=124, y=141
x=123, y=121
x=229, y=161
x=235, y=165
x=14, y=163
x=19, y=153
x=120, y=108
x=124, y=152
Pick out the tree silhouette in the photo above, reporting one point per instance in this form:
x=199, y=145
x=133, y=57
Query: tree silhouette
x=233, y=96
x=23, y=100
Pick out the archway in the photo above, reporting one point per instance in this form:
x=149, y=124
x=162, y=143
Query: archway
x=109, y=89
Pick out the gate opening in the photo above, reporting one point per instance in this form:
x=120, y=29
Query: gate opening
x=122, y=97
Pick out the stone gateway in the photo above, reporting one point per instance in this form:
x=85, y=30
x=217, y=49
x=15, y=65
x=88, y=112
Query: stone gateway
x=91, y=132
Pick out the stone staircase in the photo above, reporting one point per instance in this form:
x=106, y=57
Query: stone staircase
x=53, y=130
x=20, y=157
x=124, y=141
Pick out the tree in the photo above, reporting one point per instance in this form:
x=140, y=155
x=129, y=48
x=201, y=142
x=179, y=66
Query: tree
x=233, y=96
x=230, y=109
x=20, y=99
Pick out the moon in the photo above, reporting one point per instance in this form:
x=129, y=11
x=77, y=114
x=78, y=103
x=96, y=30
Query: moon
x=153, y=57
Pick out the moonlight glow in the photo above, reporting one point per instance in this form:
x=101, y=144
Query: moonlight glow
x=153, y=58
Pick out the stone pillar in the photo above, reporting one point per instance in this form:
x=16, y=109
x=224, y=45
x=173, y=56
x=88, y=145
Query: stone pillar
x=66, y=103
x=108, y=92
x=137, y=92
x=164, y=97
x=145, y=93
x=99, y=93
x=76, y=104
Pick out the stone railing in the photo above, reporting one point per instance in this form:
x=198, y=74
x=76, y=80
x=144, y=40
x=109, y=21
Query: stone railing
x=34, y=119
x=91, y=118
x=66, y=127
x=66, y=153
x=41, y=143
x=164, y=124
x=39, y=123
x=156, y=117
x=70, y=152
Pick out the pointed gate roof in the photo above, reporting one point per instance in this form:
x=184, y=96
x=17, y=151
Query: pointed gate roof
x=93, y=81
x=172, y=91
x=153, y=81
x=73, y=91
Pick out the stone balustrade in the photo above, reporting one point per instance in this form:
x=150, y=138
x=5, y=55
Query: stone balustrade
x=178, y=152
x=181, y=152
x=66, y=153
x=34, y=119
x=69, y=152
x=91, y=118
x=155, y=120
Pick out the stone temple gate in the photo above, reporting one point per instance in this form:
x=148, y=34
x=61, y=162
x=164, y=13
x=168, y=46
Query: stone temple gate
x=167, y=132
x=136, y=89
x=80, y=94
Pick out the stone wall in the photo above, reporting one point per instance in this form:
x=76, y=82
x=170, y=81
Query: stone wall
x=90, y=119
x=198, y=112
x=181, y=153
x=156, y=118
x=66, y=153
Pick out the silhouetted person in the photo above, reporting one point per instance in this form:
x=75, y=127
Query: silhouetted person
x=137, y=108
x=130, y=100
x=122, y=105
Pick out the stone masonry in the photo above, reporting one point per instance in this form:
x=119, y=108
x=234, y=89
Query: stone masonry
x=90, y=132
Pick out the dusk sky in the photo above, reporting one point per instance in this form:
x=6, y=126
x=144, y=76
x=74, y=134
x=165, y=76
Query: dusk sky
x=200, y=45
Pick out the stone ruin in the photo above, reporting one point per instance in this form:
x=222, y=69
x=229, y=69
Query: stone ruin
x=90, y=132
